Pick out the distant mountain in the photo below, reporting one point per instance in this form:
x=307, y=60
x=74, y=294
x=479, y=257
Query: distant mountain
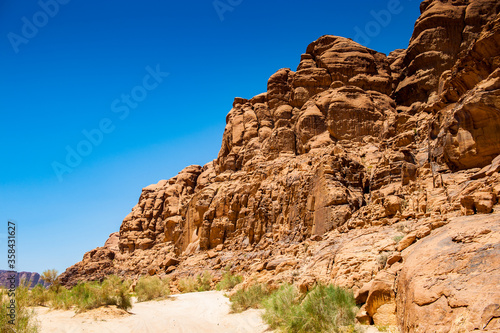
x=32, y=278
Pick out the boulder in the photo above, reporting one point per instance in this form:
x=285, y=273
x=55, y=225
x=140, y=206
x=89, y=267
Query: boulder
x=449, y=280
x=381, y=301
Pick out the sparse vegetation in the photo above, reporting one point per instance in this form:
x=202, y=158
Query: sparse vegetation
x=191, y=284
x=152, y=287
x=326, y=308
x=382, y=259
x=84, y=296
x=49, y=276
x=116, y=292
x=39, y=296
x=398, y=238
x=228, y=281
x=60, y=298
x=250, y=297
x=25, y=318
x=203, y=281
x=187, y=285
x=281, y=307
x=91, y=295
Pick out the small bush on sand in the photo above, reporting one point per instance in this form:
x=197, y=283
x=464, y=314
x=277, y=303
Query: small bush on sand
x=25, y=321
x=204, y=281
x=250, y=297
x=201, y=282
x=281, y=307
x=86, y=296
x=152, y=287
x=114, y=291
x=90, y=295
x=39, y=296
x=228, y=281
x=326, y=308
x=187, y=285
x=23, y=293
x=60, y=298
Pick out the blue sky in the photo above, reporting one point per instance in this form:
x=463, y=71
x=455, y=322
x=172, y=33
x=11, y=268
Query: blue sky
x=67, y=67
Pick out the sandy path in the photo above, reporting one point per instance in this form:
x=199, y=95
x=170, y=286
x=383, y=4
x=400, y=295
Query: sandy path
x=194, y=312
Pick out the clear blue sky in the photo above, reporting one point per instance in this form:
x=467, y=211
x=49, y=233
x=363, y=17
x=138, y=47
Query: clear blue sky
x=73, y=67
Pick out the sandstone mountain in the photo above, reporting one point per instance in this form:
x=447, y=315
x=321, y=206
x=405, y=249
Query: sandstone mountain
x=377, y=173
x=31, y=279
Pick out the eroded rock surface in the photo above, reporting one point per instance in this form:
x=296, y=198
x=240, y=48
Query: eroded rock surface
x=453, y=276
x=348, y=170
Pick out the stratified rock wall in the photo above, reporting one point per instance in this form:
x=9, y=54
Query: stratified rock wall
x=358, y=169
x=161, y=208
x=443, y=32
x=467, y=122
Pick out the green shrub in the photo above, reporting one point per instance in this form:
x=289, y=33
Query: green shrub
x=86, y=296
x=114, y=291
x=201, y=282
x=250, y=297
x=39, y=296
x=23, y=294
x=398, y=238
x=228, y=281
x=49, y=276
x=323, y=309
x=187, y=285
x=90, y=295
x=281, y=307
x=152, y=287
x=25, y=321
x=326, y=309
x=60, y=298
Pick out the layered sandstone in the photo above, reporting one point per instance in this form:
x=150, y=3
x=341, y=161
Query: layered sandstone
x=449, y=276
x=356, y=168
x=29, y=279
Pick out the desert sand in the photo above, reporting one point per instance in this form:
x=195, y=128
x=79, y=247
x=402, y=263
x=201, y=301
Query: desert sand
x=193, y=312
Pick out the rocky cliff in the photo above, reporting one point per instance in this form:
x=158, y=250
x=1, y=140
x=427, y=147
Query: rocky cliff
x=373, y=172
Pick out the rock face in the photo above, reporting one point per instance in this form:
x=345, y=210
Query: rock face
x=161, y=209
x=443, y=32
x=468, y=250
x=357, y=169
x=467, y=128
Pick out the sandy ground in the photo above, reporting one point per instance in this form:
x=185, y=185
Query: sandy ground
x=195, y=312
